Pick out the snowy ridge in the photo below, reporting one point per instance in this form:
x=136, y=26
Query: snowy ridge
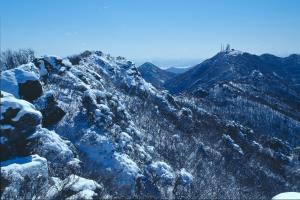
x=105, y=132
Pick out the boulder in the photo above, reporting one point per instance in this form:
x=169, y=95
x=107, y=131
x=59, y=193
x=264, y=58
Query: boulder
x=19, y=120
x=22, y=83
x=50, y=110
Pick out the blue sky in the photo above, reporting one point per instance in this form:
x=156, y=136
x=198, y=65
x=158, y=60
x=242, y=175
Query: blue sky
x=151, y=29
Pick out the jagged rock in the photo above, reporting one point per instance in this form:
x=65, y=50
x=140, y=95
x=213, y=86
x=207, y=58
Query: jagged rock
x=19, y=120
x=21, y=83
x=50, y=110
x=30, y=90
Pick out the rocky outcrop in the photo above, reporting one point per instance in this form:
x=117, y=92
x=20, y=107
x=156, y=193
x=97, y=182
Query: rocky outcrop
x=19, y=120
x=22, y=83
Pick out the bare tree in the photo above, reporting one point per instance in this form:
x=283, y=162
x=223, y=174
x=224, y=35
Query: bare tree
x=11, y=59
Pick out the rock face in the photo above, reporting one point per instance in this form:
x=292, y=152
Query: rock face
x=30, y=90
x=50, y=110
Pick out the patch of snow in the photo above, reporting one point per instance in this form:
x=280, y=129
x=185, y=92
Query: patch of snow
x=30, y=172
x=287, y=196
x=84, y=194
x=3, y=140
x=11, y=78
x=53, y=147
x=234, y=53
x=9, y=101
x=185, y=178
x=162, y=171
x=231, y=142
x=77, y=184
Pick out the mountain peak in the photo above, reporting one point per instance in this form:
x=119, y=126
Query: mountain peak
x=155, y=75
x=148, y=65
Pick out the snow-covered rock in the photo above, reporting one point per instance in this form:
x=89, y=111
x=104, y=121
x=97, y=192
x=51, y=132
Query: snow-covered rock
x=74, y=187
x=21, y=83
x=119, y=168
x=21, y=109
x=24, y=178
x=59, y=152
x=19, y=119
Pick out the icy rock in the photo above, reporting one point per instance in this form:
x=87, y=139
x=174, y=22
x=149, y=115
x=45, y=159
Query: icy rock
x=50, y=64
x=21, y=83
x=18, y=113
x=19, y=120
x=24, y=177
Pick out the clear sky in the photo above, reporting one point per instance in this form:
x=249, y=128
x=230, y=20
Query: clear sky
x=151, y=29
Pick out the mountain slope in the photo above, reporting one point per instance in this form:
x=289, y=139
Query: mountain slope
x=233, y=84
x=232, y=65
x=117, y=136
x=154, y=74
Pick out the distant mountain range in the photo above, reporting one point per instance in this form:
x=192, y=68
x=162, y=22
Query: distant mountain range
x=178, y=70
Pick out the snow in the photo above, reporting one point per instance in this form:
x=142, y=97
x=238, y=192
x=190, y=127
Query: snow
x=3, y=139
x=24, y=171
x=287, y=196
x=9, y=101
x=53, y=147
x=98, y=147
x=185, y=178
x=51, y=59
x=163, y=171
x=119, y=166
x=84, y=194
x=82, y=187
x=125, y=139
x=24, y=164
x=231, y=142
x=42, y=69
x=11, y=78
x=256, y=73
x=234, y=53
x=77, y=184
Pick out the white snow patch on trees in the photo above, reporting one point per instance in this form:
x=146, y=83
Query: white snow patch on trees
x=162, y=171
